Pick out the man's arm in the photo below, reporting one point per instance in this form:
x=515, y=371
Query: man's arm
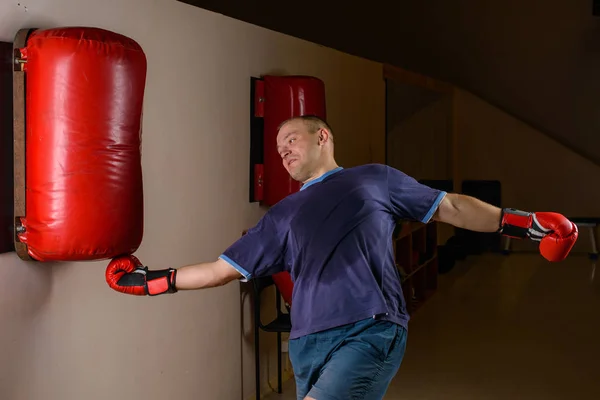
x=412, y=200
x=126, y=274
x=555, y=232
x=257, y=253
x=469, y=213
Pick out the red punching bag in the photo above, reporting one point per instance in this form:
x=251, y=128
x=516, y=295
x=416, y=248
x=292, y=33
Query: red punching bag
x=286, y=97
x=83, y=113
x=278, y=98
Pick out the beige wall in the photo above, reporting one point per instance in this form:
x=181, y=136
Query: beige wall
x=418, y=133
x=536, y=172
x=418, y=145
x=65, y=334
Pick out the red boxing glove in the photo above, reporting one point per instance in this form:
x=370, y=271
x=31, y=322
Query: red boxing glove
x=126, y=274
x=555, y=232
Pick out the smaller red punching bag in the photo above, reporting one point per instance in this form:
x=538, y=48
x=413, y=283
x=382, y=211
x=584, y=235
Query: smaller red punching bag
x=278, y=98
x=84, y=96
x=286, y=97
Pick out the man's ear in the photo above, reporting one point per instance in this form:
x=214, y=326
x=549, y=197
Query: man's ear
x=322, y=135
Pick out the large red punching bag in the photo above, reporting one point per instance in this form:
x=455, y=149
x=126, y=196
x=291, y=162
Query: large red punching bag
x=83, y=113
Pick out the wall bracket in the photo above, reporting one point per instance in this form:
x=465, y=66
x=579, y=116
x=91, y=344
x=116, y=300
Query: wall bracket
x=12, y=143
x=256, y=139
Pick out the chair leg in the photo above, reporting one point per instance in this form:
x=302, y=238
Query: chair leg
x=279, y=389
x=257, y=358
x=594, y=253
x=506, y=249
x=278, y=306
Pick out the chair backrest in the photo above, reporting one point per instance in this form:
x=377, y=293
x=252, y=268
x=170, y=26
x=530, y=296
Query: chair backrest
x=282, y=325
x=262, y=283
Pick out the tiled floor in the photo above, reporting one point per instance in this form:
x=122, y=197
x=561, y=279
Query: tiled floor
x=499, y=327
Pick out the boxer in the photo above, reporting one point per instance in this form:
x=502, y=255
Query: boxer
x=334, y=237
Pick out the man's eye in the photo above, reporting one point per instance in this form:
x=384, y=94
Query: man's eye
x=291, y=140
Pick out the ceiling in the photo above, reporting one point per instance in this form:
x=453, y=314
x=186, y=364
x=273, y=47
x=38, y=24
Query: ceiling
x=536, y=59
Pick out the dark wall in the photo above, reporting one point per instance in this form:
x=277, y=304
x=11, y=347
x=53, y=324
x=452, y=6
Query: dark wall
x=536, y=59
x=6, y=148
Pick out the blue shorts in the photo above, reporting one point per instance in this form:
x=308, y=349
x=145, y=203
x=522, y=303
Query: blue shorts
x=354, y=361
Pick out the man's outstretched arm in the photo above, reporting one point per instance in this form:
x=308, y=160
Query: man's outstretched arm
x=555, y=232
x=469, y=213
x=126, y=274
x=259, y=252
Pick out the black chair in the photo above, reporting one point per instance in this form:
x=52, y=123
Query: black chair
x=446, y=185
x=591, y=223
x=281, y=323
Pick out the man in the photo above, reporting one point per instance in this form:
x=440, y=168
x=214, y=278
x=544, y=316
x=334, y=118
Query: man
x=334, y=237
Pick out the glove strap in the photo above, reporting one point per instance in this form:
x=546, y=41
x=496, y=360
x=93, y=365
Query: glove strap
x=161, y=281
x=515, y=223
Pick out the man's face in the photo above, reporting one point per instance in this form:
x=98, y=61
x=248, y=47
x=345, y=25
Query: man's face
x=299, y=150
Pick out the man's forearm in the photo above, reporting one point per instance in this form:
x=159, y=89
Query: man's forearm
x=205, y=275
x=469, y=213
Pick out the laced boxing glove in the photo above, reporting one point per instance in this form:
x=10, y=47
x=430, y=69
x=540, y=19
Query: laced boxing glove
x=554, y=231
x=126, y=274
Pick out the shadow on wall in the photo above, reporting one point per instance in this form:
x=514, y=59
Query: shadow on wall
x=247, y=334
x=267, y=343
x=24, y=291
x=24, y=286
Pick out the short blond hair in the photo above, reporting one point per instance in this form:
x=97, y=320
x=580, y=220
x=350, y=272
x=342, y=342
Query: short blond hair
x=312, y=122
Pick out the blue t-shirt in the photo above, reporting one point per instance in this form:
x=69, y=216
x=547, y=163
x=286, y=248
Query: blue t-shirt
x=334, y=237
